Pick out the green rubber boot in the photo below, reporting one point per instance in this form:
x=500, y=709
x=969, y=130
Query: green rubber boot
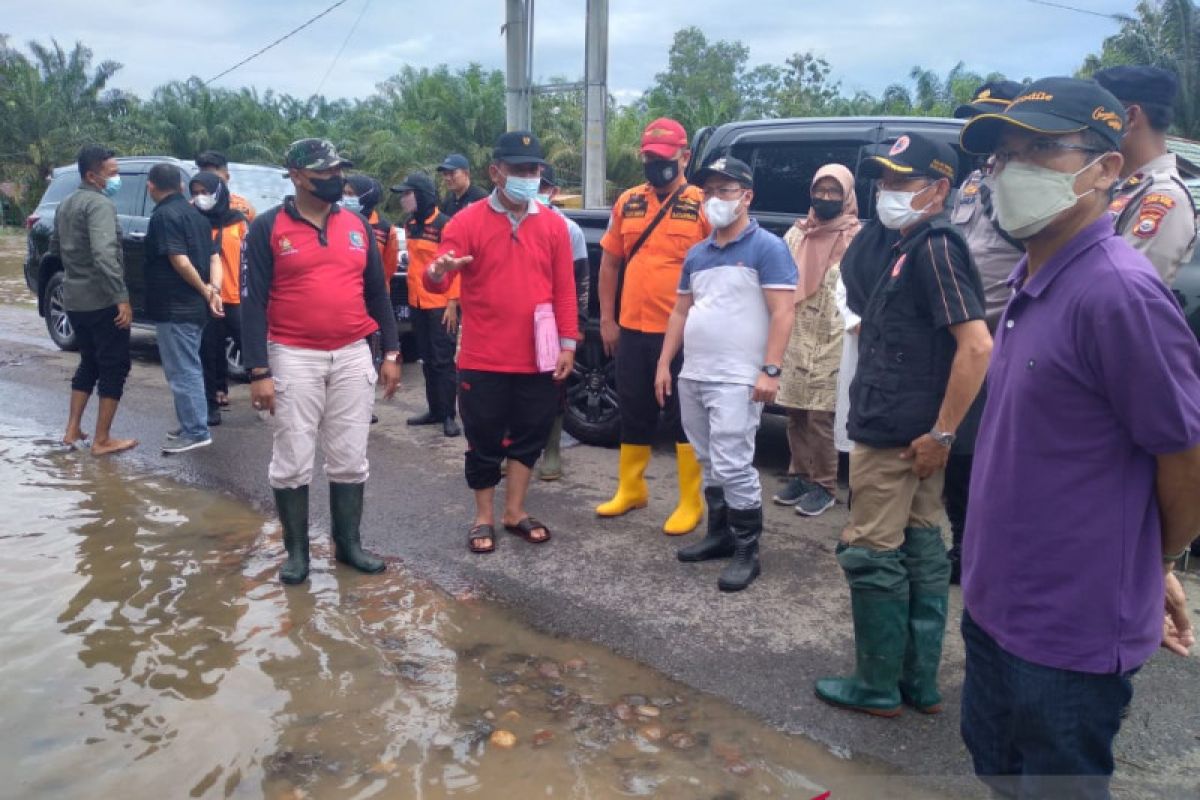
x=929, y=584
x=292, y=506
x=879, y=601
x=345, y=512
x=551, y=467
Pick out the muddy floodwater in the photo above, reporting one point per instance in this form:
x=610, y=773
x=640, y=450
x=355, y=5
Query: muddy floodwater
x=148, y=651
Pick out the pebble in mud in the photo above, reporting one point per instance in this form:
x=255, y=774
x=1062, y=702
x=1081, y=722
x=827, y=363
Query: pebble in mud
x=652, y=732
x=648, y=711
x=623, y=712
x=542, y=738
x=635, y=700
x=681, y=740
x=739, y=768
x=549, y=670
x=575, y=665
x=504, y=739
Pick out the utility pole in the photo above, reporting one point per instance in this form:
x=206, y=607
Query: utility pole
x=518, y=98
x=595, y=128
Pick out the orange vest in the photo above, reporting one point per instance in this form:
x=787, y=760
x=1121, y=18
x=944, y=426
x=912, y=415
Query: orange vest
x=422, y=248
x=232, y=237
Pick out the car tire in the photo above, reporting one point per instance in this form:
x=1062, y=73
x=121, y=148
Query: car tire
x=593, y=413
x=58, y=324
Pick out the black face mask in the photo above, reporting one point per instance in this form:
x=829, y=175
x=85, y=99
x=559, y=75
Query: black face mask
x=328, y=190
x=827, y=209
x=661, y=173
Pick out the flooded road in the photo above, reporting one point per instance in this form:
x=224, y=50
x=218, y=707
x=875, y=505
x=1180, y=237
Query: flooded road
x=149, y=651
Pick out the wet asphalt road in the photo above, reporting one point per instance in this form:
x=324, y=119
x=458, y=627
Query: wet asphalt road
x=617, y=582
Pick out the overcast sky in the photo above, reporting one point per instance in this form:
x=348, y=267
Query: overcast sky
x=875, y=44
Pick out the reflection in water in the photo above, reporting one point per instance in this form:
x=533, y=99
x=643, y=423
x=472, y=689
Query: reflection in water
x=149, y=651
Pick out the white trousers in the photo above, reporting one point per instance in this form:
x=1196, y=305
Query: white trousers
x=720, y=421
x=321, y=396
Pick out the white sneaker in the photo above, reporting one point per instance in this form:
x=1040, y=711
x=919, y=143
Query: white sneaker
x=182, y=445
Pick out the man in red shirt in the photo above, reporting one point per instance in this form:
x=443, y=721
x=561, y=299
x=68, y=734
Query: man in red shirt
x=312, y=291
x=514, y=260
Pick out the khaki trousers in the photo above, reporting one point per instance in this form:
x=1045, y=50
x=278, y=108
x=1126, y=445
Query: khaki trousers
x=321, y=397
x=814, y=454
x=888, y=497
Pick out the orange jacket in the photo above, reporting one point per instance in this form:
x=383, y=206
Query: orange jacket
x=231, y=237
x=422, y=248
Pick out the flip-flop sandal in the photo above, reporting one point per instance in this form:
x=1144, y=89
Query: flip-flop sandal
x=525, y=529
x=478, y=534
x=223, y=400
x=80, y=445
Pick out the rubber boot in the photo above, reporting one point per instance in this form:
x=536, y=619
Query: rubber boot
x=929, y=584
x=631, y=482
x=551, y=467
x=292, y=507
x=345, y=512
x=879, y=602
x=745, y=524
x=690, y=511
x=718, y=543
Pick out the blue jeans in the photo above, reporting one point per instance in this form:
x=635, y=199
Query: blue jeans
x=1036, y=731
x=179, y=349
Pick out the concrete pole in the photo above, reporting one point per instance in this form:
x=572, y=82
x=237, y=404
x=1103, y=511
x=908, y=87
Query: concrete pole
x=595, y=128
x=518, y=96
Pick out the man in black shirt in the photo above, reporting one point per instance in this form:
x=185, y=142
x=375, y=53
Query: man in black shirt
x=923, y=353
x=179, y=297
x=460, y=192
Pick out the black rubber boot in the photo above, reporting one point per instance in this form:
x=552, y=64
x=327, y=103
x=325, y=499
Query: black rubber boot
x=929, y=584
x=345, y=512
x=718, y=542
x=746, y=526
x=292, y=506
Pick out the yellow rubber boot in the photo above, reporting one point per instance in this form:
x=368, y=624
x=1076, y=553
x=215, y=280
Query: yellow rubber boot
x=631, y=486
x=690, y=511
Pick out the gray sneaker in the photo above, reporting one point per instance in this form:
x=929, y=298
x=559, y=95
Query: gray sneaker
x=182, y=445
x=174, y=434
x=796, y=488
x=815, y=502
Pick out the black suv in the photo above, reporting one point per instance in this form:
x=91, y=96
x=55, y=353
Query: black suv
x=261, y=185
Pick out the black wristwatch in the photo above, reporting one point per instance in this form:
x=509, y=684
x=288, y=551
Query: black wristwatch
x=772, y=370
x=255, y=376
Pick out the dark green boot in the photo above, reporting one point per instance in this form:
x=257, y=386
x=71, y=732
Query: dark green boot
x=718, y=542
x=292, y=506
x=345, y=512
x=928, y=568
x=879, y=602
x=551, y=467
x=746, y=527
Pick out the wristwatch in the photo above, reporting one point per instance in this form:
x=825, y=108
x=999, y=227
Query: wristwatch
x=393, y=356
x=772, y=370
x=944, y=438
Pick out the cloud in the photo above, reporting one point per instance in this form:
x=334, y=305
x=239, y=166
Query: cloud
x=868, y=49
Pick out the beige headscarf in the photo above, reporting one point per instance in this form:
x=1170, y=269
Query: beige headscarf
x=820, y=243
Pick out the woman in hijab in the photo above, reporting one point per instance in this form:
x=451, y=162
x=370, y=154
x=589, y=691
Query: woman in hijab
x=210, y=196
x=809, y=389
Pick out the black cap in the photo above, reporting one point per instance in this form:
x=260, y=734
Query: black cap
x=518, y=147
x=727, y=167
x=314, y=154
x=454, y=161
x=913, y=155
x=1054, y=106
x=417, y=182
x=992, y=96
x=1140, y=84
x=548, y=175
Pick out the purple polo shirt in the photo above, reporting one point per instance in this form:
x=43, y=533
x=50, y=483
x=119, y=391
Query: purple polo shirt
x=1094, y=372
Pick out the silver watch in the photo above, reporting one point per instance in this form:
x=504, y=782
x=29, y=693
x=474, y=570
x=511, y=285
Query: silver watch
x=944, y=438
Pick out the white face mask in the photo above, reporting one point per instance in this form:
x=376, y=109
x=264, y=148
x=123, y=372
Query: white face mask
x=204, y=202
x=722, y=213
x=895, y=208
x=1029, y=197
x=351, y=202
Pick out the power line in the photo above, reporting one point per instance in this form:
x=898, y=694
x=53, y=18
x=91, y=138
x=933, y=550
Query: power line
x=342, y=49
x=281, y=39
x=1065, y=7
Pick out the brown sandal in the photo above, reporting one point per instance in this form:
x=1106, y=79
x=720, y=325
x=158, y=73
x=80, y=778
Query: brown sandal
x=478, y=534
x=525, y=529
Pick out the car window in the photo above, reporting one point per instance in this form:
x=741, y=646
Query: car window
x=130, y=200
x=62, y=185
x=264, y=187
x=783, y=172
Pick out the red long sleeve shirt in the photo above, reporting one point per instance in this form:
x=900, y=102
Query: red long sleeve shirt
x=515, y=268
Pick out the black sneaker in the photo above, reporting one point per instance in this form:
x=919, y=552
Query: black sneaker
x=796, y=488
x=815, y=502
x=182, y=445
x=424, y=419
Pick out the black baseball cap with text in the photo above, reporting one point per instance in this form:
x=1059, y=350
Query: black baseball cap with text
x=1054, y=106
x=992, y=96
x=727, y=167
x=914, y=156
x=518, y=147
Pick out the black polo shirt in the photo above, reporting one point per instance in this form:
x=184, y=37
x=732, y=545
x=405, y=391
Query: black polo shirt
x=452, y=204
x=176, y=228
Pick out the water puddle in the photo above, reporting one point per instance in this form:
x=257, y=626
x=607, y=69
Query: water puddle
x=148, y=651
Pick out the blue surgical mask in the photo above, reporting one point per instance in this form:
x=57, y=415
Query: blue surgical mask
x=522, y=190
x=112, y=186
x=352, y=203
x=544, y=199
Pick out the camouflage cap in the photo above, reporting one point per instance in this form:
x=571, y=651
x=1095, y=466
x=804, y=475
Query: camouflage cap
x=314, y=154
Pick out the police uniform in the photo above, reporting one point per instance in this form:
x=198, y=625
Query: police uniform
x=1153, y=209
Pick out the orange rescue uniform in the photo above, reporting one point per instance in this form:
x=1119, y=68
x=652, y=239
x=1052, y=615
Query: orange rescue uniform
x=389, y=247
x=651, y=281
x=231, y=238
x=239, y=203
x=422, y=249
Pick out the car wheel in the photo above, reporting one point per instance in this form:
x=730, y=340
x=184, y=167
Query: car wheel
x=593, y=412
x=233, y=359
x=58, y=324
